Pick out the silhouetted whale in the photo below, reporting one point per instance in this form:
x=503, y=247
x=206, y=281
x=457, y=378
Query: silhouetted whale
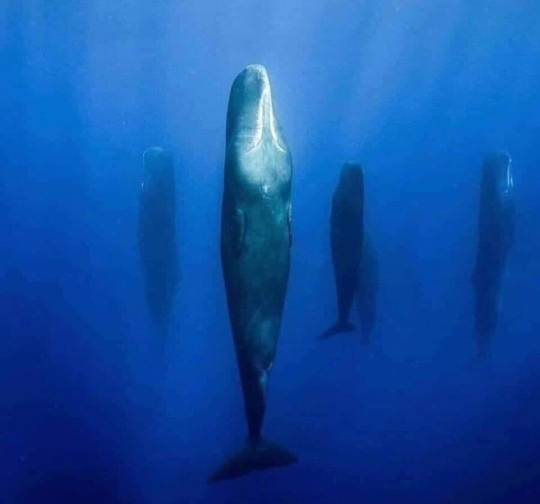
x=346, y=236
x=495, y=238
x=157, y=233
x=255, y=254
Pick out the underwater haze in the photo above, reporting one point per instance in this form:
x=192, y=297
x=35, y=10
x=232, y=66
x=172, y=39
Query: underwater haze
x=96, y=405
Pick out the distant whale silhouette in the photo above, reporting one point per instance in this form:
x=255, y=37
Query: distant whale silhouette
x=368, y=285
x=157, y=233
x=255, y=254
x=346, y=236
x=495, y=238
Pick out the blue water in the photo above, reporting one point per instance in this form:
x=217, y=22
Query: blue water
x=94, y=409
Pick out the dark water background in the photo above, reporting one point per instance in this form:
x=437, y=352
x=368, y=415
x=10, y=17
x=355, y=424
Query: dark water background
x=92, y=409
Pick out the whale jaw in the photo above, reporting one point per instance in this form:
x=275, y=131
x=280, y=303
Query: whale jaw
x=251, y=114
x=266, y=124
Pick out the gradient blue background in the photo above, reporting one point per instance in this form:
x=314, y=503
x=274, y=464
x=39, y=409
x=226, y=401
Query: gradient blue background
x=418, y=92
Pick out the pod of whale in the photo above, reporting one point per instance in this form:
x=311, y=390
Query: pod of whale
x=256, y=239
x=255, y=254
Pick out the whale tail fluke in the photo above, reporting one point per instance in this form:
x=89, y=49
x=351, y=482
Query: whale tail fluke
x=340, y=327
x=255, y=456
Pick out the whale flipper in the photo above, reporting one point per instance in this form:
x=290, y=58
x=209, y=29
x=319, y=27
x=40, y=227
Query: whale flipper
x=255, y=456
x=340, y=327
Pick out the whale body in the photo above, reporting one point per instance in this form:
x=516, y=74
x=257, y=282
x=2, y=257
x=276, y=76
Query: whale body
x=157, y=234
x=346, y=239
x=256, y=238
x=495, y=238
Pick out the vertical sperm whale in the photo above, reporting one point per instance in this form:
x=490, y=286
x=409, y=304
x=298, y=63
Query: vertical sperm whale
x=346, y=237
x=157, y=233
x=495, y=239
x=255, y=254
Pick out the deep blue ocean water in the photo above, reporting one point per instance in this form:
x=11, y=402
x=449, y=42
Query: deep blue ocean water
x=95, y=408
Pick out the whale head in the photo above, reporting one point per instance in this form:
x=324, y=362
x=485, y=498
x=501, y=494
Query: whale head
x=498, y=172
x=158, y=169
x=250, y=115
x=351, y=184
